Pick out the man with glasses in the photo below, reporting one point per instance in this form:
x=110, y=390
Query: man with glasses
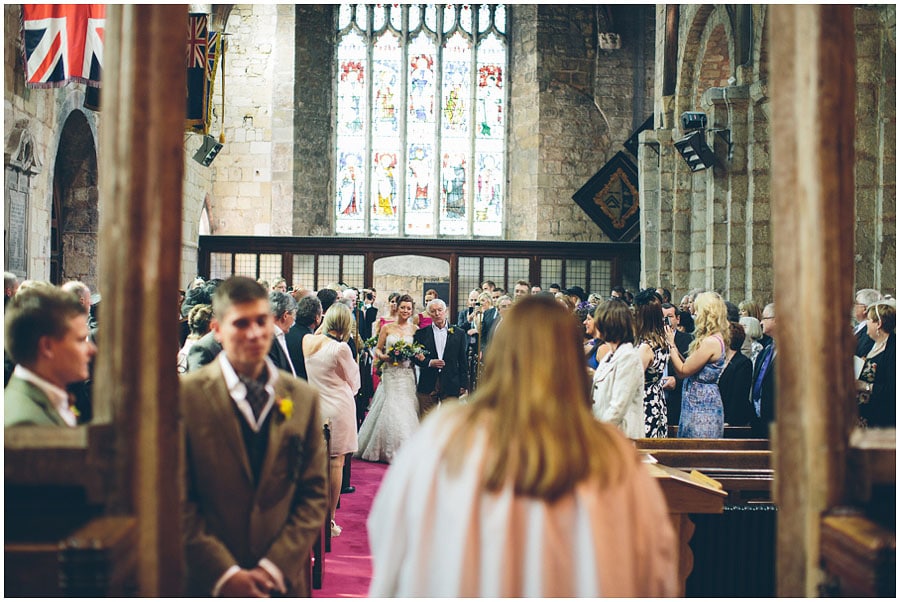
x=762, y=393
x=863, y=299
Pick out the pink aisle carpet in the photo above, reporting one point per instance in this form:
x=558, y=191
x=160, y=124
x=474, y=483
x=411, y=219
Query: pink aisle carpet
x=348, y=567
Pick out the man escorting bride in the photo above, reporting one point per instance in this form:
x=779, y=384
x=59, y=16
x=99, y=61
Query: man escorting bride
x=393, y=411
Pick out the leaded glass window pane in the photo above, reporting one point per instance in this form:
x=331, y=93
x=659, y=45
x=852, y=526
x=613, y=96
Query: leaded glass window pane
x=304, y=272
x=420, y=120
x=601, y=276
x=551, y=272
x=219, y=265
x=576, y=273
x=270, y=267
x=245, y=265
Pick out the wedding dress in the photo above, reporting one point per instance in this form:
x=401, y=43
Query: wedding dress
x=392, y=417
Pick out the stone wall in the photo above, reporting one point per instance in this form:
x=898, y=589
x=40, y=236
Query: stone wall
x=242, y=200
x=571, y=107
x=43, y=114
x=876, y=148
x=314, y=73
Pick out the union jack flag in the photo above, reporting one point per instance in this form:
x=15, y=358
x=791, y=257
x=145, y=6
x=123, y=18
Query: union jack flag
x=196, y=60
x=63, y=43
x=197, y=40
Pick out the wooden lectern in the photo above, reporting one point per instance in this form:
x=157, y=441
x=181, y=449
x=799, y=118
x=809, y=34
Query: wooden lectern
x=687, y=493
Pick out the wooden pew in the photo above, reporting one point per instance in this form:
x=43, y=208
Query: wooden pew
x=858, y=541
x=731, y=432
x=742, y=466
x=733, y=551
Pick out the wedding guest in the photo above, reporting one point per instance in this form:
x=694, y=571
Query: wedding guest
x=10, y=285
x=254, y=470
x=877, y=384
x=863, y=299
x=497, y=497
x=330, y=367
x=424, y=318
x=736, y=380
x=596, y=348
x=619, y=378
x=650, y=334
x=391, y=314
x=198, y=320
x=46, y=332
x=749, y=307
x=702, y=415
x=753, y=333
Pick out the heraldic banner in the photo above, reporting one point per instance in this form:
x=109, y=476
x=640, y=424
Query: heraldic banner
x=63, y=43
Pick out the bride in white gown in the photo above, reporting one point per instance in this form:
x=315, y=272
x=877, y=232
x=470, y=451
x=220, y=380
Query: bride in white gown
x=392, y=417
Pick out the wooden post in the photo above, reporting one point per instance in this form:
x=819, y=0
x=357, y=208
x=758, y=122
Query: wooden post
x=141, y=168
x=813, y=117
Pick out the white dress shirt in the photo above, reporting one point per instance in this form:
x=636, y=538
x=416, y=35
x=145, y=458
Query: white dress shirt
x=440, y=339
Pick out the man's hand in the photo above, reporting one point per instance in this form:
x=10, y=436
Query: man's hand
x=439, y=364
x=255, y=583
x=669, y=383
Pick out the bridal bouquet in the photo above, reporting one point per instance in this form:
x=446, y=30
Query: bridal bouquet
x=402, y=351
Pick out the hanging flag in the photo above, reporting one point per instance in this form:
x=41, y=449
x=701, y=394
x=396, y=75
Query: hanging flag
x=215, y=49
x=197, y=67
x=63, y=43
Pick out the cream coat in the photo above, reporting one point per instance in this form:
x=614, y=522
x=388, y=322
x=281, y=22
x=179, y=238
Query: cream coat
x=618, y=390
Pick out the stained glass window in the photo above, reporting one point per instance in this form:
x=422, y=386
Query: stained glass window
x=420, y=120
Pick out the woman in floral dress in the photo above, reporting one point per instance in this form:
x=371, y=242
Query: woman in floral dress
x=653, y=349
x=702, y=413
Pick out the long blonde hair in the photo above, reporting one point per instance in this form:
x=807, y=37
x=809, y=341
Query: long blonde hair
x=534, y=402
x=712, y=318
x=338, y=319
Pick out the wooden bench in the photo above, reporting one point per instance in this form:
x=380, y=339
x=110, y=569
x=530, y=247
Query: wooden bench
x=733, y=551
x=742, y=466
x=731, y=432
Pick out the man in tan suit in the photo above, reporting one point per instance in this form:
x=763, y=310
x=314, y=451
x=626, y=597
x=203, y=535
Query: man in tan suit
x=255, y=460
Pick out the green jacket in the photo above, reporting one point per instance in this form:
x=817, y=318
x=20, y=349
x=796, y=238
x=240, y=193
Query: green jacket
x=26, y=404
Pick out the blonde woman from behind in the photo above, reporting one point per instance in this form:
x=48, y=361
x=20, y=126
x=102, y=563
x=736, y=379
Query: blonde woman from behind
x=522, y=492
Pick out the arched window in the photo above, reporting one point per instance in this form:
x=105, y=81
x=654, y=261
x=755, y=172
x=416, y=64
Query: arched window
x=420, y=120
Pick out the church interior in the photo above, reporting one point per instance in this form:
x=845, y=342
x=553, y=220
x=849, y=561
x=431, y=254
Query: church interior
x=745, y=149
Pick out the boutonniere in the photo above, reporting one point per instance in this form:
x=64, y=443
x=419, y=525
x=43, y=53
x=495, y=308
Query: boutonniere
x=286, y=407
x=451, y=330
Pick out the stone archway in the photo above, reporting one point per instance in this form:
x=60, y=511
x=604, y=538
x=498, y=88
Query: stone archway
x=407, y=274
x=75, y=204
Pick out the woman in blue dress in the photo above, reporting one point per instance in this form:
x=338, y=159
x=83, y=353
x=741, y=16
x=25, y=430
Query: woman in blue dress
x=702, y=414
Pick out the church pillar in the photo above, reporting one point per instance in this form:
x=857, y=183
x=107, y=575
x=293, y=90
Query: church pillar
x=757, y=209
x=813, y=114
x=729, y=114
x=652, y=245
x=142, y=162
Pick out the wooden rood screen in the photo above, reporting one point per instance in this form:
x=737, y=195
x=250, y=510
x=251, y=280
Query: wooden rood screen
x=316, y=262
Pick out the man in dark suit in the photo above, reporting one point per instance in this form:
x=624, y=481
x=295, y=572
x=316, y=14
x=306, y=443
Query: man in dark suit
x=309, y=316
x=443, y=369
x=255, y=463
x=672, y=384
x=762, y=391
x=203, y=351
x=284, y=310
